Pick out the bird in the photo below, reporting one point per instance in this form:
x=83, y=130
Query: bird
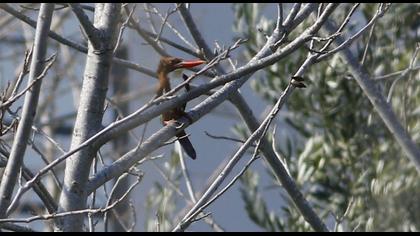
x=166, y=65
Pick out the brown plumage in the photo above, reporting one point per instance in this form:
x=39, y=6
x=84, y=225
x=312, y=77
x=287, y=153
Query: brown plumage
x=167, y=65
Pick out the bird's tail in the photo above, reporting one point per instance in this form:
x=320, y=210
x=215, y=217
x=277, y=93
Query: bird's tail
x=186, y=144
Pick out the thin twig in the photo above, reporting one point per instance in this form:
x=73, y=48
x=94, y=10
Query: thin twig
x=92, y=204
x=165, y=19
x=397, y=73
x=37, y=8
x=74, y=45
x=225, y=138
x=30, y=104
x=350, y=40
x=341, y=28
x=86, y=7
x=185, y=173
x=339, y=220
x=136, y=119
x=177, y=33
x=123, y=26
x=257, y=134
x=45, y=160
x=79, y=212
x=25, y=71
x=367, y=44
x=11, y=100
x=136, y=26
x=173, y=44
x=111, y=195
x=379, y=103
x=151, y=22
x=134, y=217
x=281, y=159
x=402, y=75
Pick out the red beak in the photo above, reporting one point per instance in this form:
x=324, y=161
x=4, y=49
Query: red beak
x=190, y=63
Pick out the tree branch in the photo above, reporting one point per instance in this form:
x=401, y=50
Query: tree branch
x=89, y=115
x=74, y=45
x=258, y=134
x=86, y=24
x=379, y=102
x=29, y=108
x=141, y=116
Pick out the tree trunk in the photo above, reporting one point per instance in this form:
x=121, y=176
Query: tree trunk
x=89, y=115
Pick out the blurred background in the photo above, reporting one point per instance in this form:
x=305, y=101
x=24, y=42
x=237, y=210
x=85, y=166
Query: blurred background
x=337, y=148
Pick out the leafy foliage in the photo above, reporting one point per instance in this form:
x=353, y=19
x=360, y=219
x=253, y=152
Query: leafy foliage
x=343, y=152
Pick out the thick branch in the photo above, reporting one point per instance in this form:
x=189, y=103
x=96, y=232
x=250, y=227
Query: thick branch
x=141, y=116
x=239, y=102
x=190, y=23
x=241, y=75
x=86, y=24
x=378, y=101
x=257, y=134
x=89, y=116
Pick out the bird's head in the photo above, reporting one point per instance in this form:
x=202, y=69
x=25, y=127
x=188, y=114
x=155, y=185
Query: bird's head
x=169, y=64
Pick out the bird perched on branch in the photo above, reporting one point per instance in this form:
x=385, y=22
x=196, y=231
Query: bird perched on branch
x=167, y=65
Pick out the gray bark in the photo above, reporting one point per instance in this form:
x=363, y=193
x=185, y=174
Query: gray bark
x=89, y=116
x=17, y=152
x=379, y=102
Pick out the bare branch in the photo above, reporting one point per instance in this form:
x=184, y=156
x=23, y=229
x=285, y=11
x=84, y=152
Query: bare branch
x=379, y=103
x=173, y=44
x=30, y=104
x=368, y=44
x=120, y=34
x=258, y=134
x=25, y=71
x=185, y=173
x=341, y=28
x=72, y=44
x=350, y=40
x=410, y=68
x=190, y=23
x=292, y=14
x=11, y=100
x=279, y=23
x=111, y=195
x=152, y=25
x=165, y=19
x=397, y=73
x=87, y=26
x=136, y=26
x=225, y=138
x=16, y=228
x=33, y=23
x=167, y=132
x=176, y=32
x=73, y=213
